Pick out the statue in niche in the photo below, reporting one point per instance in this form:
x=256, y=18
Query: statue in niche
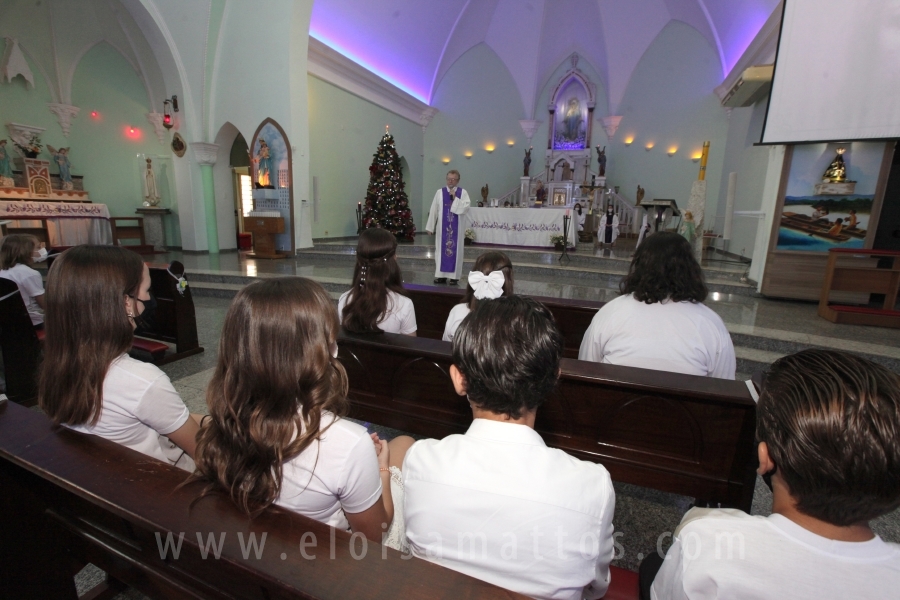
x=263, y=161
x=527, y=161
x=567, y=171
x=61, y=158
x=572, y=121
x=151, y=192
x=601, y=161
x=837, y=170
x=6, y=174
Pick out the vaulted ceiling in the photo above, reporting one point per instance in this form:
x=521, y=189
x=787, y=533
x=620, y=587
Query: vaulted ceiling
x=413, y=43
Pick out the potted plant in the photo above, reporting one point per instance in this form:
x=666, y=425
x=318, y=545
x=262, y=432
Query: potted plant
x=469, y=237
x=32, y=147
x=558, y=241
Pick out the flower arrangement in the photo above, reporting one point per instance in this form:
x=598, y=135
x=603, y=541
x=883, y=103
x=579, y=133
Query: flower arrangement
x=558, y=239
x=470, y=234
x=32, y=147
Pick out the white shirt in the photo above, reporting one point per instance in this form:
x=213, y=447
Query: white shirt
x=30, y=285
x=399, y=317
x=499, y=505
x=340, y=471
x=139, y=406
x=771, y=557
x=457, y=314
x=680, y=337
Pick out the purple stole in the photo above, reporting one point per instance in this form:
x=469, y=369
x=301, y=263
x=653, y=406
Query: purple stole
x=449, y=232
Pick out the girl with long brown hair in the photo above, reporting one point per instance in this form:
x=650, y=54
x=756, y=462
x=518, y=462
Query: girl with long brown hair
x=377, y=301
x=276, y=400
x=490, y=278
x=95, y=295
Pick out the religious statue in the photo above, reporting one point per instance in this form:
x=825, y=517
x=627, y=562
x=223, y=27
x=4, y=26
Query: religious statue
x=484, y=193
x=601, y=161
x=688, y=227
x=6, y=174
x=567, y=172
x=540, y=193
x=527, y=161
x=263, y=162
x=572, y=120
x=639, y=196
x=61, y=158
x=151, y=192
x=837, y=170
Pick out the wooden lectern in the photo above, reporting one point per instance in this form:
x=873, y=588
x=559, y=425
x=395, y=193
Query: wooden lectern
x=264, y=230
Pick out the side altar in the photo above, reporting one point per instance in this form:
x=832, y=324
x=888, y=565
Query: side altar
x=31, y=179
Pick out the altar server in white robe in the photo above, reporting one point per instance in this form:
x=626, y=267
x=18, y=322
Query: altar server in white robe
x=645, y=230
x=609, y=227
x=446, y=217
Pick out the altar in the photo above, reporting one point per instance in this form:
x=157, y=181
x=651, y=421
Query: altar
x=66, y=224
x=519, y=226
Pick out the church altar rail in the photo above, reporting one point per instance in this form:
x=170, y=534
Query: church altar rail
x=71, y=498
x=433, y=304
x=67, y=224
x=676, y=433
x=519, y=226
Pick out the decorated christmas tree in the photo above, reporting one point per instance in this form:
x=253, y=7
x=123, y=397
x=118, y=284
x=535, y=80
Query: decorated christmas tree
x=387, y=205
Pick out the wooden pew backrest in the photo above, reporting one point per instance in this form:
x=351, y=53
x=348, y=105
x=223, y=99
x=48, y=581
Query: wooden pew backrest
x=68, y=496
x=433, y=304
x=672, y=432
x=19, y=345
x=175, y=321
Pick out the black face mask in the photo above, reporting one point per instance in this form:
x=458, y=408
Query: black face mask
x=145, y=319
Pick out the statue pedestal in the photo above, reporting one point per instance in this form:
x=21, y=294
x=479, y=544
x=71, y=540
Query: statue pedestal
x=154, y=229
x=835, y=189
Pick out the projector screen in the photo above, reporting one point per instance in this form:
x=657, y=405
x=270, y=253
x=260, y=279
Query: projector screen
x=837, y=72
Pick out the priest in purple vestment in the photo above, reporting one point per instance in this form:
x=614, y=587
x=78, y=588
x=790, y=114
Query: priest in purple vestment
x=447, y=218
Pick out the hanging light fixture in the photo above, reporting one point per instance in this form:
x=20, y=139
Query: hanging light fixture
x=167, y=115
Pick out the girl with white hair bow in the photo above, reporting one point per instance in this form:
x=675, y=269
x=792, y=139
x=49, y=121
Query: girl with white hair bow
x=490, y=278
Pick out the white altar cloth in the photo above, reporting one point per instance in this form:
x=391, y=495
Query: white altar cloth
x=68, y=224
x=519, y=226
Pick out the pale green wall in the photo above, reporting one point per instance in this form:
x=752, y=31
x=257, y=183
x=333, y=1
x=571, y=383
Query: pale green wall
x=344, y=131
x=670, y=102
x=479, y=105
x=751, y=165
x=100, y=149
x=254, y=80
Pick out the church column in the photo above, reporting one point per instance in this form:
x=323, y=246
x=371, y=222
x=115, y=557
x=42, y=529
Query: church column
x=205, y=154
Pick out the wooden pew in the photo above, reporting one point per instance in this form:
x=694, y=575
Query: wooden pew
x=70, y=498
x=19, y=344
x=678, y=433
x=433, y=304
x=175, y=321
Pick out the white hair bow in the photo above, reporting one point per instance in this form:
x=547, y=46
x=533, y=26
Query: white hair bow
x=487, y=286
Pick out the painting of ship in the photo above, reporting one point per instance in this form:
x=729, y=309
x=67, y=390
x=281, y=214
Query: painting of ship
x=819, y=227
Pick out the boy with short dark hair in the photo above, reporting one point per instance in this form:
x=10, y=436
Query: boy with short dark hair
x=497, y=503
x=828, y=425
